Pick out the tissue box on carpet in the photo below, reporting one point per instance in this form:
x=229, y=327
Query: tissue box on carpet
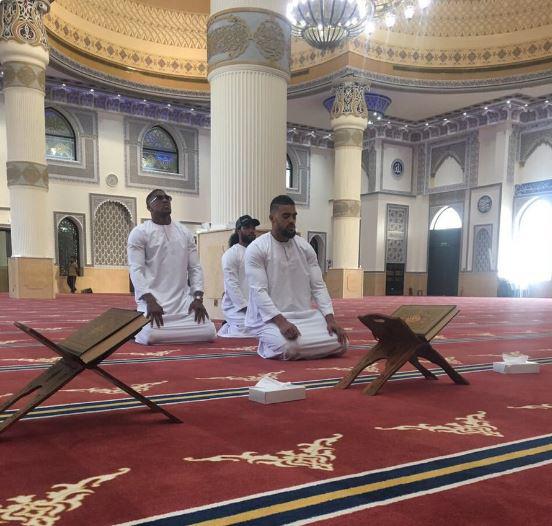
x=271, y=391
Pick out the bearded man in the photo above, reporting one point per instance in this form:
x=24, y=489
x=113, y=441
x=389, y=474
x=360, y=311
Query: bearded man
x=284, y=278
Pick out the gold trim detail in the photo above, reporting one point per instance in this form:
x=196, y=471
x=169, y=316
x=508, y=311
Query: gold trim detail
x=348, y=137
x=427, y=58
x=270, y=41
x=122, y=56
x=31, y=360
x=259, y=10
x=252, y=378
x=22, y=21
x=169, y=27
x=23, y=173
x=225, y=43
x=467, y=425
x=141, y=388
x=154, y=353
x=24, y=75
x=30, y=511
x=539, y=406
x=231, y=40
x=346, y=208
x=317, y=455
x=349, y=100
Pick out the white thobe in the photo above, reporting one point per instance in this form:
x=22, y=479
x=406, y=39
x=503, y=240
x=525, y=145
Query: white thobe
x=236, y=293
x=285, y=278
x=163, y=261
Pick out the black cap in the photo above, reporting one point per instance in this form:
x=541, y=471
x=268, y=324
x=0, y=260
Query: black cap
x=246, y=221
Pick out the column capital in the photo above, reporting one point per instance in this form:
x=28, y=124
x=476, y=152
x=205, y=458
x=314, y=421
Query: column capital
x=249, y=36
x=349, y=99
x=22, y=21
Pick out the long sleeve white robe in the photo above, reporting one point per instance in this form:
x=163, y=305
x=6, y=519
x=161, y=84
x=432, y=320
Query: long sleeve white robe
x=162, y=260
x=236, y=294
x=285, y=278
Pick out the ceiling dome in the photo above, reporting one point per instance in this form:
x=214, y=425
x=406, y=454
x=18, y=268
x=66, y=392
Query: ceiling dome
x=163, y=42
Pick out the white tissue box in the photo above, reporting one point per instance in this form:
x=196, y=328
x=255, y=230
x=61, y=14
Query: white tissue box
x=516, y=368
x=273, y=396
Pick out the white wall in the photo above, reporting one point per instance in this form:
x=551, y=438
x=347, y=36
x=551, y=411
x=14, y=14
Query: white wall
x=4, y=195
x=538, y=167
x=317, y=217
x=475, y=218
x=449, y=173
x=74, y=196
x=390, y=182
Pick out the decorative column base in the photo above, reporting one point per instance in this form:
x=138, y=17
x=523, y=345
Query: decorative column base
x=345, y=282
x=31, y=278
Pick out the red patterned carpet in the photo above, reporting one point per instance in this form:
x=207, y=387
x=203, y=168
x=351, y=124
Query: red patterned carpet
x=420, y=451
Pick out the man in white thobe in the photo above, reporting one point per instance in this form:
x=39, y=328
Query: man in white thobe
x=236, y=289
x=284, y=278
x=167, y=278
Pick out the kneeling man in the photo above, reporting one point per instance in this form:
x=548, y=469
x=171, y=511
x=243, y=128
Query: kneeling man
x=167, y=278
x=284, y=277
x=236, y=290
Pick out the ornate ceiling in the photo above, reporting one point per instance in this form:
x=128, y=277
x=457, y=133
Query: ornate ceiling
x=159, y=43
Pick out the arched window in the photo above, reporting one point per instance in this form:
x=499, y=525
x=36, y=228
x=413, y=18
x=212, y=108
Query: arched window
x=60, y=137
x=532, y=254
x=68, y=244
x=289, y=173
x=159, y=151
x=446, y=218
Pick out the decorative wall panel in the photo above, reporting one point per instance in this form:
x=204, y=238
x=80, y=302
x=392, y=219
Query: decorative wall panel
x=112, y=220
x=482, y=248
x=396, y=233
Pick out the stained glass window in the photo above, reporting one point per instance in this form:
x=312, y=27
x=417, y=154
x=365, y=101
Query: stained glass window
x=68, y=244
x=159, y=152
x=60, y=137
x=289, y=173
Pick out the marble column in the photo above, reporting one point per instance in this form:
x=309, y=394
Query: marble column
x=24, y=56
x=349, y=118
x=248, y=45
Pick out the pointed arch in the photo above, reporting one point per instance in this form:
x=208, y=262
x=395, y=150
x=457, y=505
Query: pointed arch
x=446, y=218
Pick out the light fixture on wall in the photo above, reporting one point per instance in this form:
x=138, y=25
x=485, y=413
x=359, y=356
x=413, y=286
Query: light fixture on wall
x=325, y=24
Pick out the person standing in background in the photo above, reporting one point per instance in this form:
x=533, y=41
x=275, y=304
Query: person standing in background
x=72, y=273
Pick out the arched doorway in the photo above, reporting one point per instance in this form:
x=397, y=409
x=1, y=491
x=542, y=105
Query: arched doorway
x=68, y=244
x=445, y=236
x=318, y=243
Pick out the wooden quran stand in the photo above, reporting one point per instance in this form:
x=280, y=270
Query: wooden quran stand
x=397, y=344
x=84, y=349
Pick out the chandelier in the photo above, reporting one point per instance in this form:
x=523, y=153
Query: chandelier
x=324, y=24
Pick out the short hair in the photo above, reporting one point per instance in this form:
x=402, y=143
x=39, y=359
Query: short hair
x=151, y=194
x=280, y=200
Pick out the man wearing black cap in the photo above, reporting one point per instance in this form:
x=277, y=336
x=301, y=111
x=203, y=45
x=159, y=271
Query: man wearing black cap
x=236, y=290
